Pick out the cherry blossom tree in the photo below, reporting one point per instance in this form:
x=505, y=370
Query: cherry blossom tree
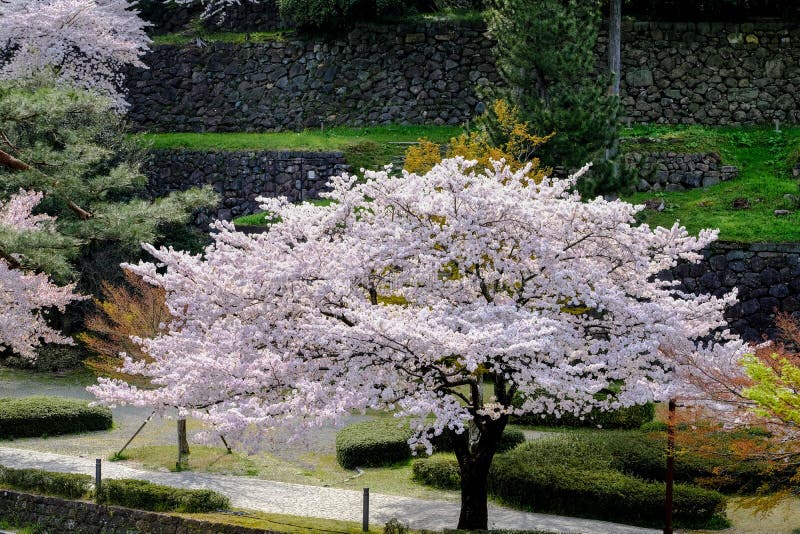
x=438, y=296
x=24, y=294
x=87, y=42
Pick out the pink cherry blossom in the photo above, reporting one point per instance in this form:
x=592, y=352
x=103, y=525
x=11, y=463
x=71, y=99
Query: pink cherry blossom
x=87, y=42
x=23, y=295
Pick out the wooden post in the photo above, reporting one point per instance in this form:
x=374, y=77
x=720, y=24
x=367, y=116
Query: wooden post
x=670, y=467
x=365, y=512
x=98, y=478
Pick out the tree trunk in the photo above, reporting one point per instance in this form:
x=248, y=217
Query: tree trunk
x=474, y=494
x=183, y=442
x=615, y=45
x=474, y=450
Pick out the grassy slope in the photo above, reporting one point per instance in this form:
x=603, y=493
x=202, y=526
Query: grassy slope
x=764, y=158
x=369, y=147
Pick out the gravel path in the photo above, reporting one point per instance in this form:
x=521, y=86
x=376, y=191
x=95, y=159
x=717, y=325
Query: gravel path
x=314, y=501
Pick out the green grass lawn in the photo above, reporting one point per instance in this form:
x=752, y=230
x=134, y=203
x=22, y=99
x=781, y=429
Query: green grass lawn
x=764, y=158
x=182, y=38
x=370, y=147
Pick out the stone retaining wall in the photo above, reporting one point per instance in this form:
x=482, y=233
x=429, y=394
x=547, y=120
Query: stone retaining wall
x=713, y=74
x=671, y=171
x=240, y=177
x=424, y=73
x=57, y=516
x=767, y=276
x=710, y=73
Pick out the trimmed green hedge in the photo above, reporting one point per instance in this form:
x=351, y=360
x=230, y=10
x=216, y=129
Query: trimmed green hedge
x=380, y=442
x=372, y=444
x=510, y=439
x=50, y=416
x=68, y=485
x=144, y=495
x=624, y=418
x=519, y=478
x=437, y=471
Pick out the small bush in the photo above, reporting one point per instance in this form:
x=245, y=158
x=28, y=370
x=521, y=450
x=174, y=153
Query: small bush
x=624, y=418
x=372, y=444
x=600, y=492
x=144, y=495
x=335, y=14
x=510, y=439
x=50, y=416
x=437, y=471
x=68, y=485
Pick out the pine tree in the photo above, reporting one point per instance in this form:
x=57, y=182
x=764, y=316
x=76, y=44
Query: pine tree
x=546, y=58
x=71, y=145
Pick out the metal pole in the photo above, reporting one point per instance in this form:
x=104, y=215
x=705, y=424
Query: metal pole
x=365, y=517
x=670, y=467
x=98, y=477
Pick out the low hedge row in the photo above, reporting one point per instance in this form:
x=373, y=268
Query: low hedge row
x=625, y=418
x=381, y=442
x=138, y=494
x=50, y=416
x=600, y=493
x=68, y=485
x=510, y=439
x=144, y=495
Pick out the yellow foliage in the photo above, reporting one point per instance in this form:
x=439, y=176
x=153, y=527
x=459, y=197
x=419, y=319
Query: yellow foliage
x=514, y=144
x=422, y=157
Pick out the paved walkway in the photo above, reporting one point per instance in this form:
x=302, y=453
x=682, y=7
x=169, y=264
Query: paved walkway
x=315, y=501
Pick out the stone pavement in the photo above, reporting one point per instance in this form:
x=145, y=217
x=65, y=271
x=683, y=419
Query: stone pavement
x=314, y=501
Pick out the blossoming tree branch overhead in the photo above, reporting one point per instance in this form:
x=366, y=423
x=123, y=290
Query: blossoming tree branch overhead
x=86, y=42
x=440, y=296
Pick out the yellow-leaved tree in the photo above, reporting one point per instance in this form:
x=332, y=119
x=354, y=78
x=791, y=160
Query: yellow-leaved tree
x=502, y=135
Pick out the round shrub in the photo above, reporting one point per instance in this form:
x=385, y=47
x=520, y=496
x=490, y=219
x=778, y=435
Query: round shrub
x=437, y=471
x=50, y=416
x=373, y=444
x=144, y=495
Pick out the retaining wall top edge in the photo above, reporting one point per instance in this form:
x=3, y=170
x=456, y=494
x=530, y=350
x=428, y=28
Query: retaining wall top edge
x=274, y=154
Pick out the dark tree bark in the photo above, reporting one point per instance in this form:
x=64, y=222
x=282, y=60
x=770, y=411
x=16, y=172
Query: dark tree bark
x=474, y=450
x=183, y=442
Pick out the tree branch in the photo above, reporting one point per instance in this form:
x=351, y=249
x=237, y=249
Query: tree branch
x=9, y=161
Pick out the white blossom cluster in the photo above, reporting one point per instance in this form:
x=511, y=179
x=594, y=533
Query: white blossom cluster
x=23, y=295
x=418, y=293
x=87, y=43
